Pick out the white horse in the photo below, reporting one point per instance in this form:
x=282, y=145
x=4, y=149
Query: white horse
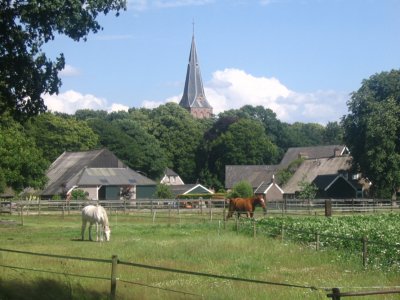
x=95, y=214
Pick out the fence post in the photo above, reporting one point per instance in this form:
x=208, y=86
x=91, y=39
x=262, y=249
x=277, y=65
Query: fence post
x=22, y=216
x=211, y=212
x=328, y=208
x=365, y=252
x=154, y=216
x=237, y=224
x=254, y=229
x=282, y=233
x=335, y=294
x=317, y=241
x=114, y=277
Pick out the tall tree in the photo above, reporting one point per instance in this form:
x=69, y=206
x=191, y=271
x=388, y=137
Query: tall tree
x=55, y=134
x=372, y=131
x=243, y=143
x=180, y=136
x=333, y=134
x=25, y=26
x=22, y=163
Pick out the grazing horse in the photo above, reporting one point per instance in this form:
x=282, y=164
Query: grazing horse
x=245, y=205
x=95, y=214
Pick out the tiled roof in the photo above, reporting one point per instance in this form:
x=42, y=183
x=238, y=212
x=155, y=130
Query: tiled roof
x=109, y=176
x=69, y=164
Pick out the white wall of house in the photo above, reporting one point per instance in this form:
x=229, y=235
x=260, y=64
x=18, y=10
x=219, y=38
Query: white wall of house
x=172, y=180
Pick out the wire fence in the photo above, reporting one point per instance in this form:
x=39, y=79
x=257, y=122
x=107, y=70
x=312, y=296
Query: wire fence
x=333, y=293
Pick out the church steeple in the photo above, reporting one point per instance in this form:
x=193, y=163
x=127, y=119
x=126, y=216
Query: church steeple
x=194, y=98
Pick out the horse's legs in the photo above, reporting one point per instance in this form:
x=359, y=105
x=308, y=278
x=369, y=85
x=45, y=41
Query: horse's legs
x=90, y=232
x=83, y=229
x=101, y=232
x=251, y=214
x=97, y=232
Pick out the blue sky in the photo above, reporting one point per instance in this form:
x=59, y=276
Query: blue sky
x=301, y=58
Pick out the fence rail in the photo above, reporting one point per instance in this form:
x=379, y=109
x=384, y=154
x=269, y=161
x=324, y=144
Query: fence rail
x=287, y=206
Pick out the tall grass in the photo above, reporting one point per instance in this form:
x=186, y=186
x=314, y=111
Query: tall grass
x=193, y=245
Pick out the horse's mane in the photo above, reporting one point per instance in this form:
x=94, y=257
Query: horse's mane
x=103, y=216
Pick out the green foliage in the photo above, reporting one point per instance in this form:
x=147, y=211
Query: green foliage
x=283, y=175
x=242, y=189
x=243, y=143
x=62, y=134
x=372, y=129
x=308, y=190
x=304, y=134
x=163, y=191
x=78, y=194
x=22, y=164
x=25, y=71
x=180, y=136
x=333, y=134
x=345, y=233
x=132, y=144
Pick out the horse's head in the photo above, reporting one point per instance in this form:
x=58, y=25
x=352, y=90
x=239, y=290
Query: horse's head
x=107, y=232
x=261, y=201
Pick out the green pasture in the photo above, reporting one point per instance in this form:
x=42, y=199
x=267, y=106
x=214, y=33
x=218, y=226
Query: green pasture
x=192, y=243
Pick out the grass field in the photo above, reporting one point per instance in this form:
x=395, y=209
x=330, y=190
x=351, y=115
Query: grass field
x=189, y=244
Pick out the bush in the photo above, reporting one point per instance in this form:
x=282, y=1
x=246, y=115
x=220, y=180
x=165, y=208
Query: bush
x=242, y=189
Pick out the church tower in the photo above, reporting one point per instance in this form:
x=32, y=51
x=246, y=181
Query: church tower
x=194, y=98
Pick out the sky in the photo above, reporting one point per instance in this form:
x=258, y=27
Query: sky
x=300, y=58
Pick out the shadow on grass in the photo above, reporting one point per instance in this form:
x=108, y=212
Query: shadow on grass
x=45, y=289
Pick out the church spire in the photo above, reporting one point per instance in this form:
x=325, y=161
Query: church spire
x=194, y=98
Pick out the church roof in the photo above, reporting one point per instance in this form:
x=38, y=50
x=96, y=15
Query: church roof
x=193, y=94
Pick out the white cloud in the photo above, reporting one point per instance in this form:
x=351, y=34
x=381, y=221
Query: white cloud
x=69, y=71
x=233, y=88
x=71, y=101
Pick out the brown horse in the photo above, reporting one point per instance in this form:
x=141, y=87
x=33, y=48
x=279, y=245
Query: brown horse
x=245, y=206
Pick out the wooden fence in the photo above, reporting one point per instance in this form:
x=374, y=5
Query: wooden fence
x=292, y=206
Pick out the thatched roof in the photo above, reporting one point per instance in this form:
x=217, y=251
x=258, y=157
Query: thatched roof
x=310, y=169
x=254, y=174
x=314, y=152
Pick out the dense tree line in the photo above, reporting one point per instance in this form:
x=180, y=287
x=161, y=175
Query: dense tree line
x=149, y=140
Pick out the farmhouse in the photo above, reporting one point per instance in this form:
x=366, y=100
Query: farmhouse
x=178, y=187
x=261, y=178
x=328, y=167
x=171, y=178
x=270, y=190
x=99, y=173
x=331, y=176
